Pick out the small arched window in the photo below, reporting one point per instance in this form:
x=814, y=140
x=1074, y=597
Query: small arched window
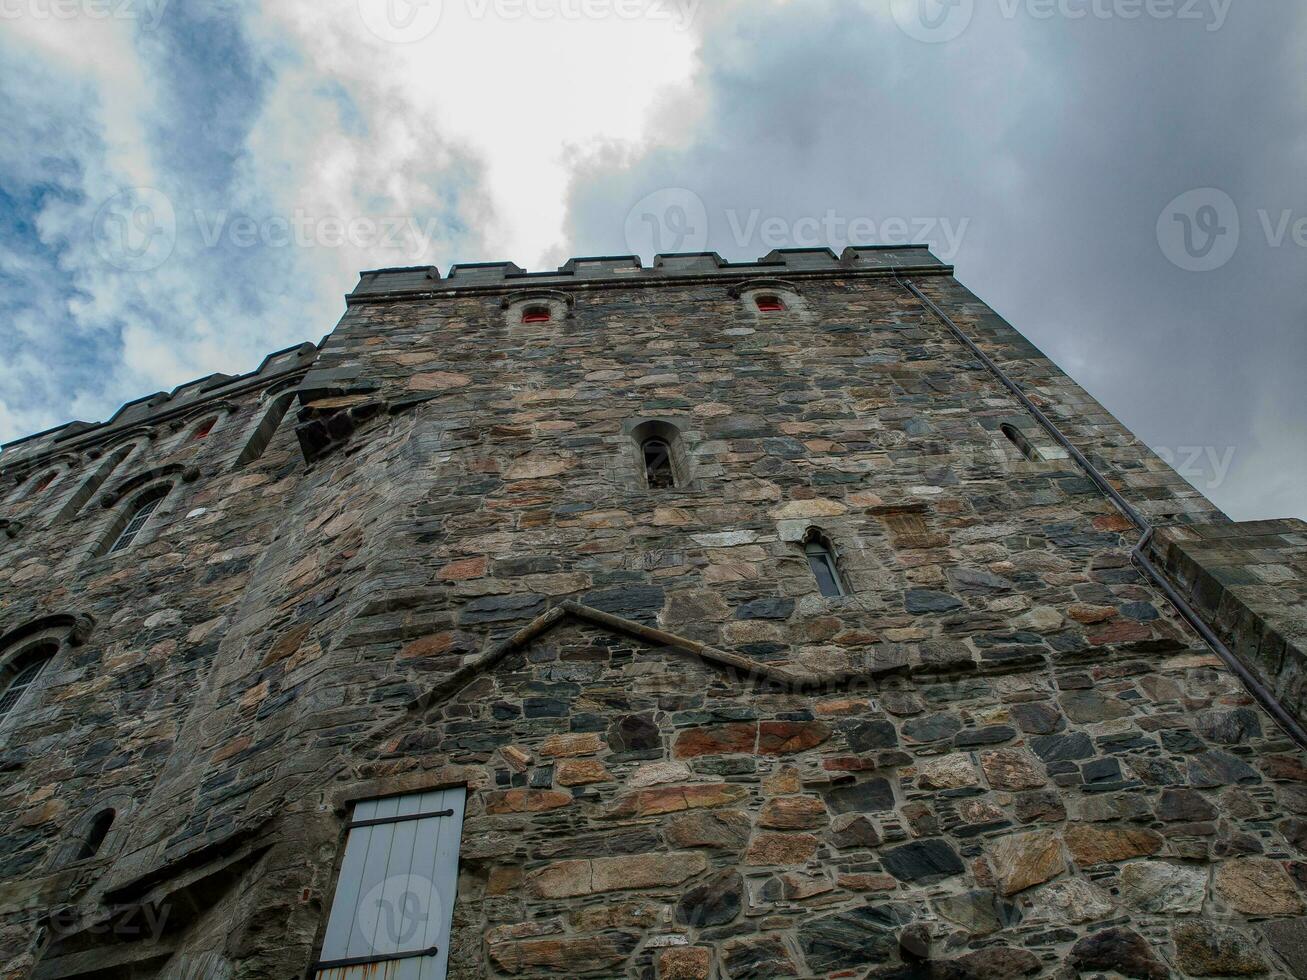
x=43, y=482
x=98, y=830
x=821, y=559
x=203, y=429
x=658, y=471
x=536, y=314
x=26, y=671
x=1017, y=439
x=770, y=303
x=140, y=517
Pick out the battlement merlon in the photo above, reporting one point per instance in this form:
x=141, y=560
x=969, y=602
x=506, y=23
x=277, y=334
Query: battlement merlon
x=379, y=285
x=154, y=409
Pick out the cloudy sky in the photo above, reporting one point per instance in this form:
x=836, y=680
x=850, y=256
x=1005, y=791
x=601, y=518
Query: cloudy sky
x=187, y=185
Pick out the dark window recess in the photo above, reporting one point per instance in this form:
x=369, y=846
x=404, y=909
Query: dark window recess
x=43, y=483
x=1021, y=442
x=770, y=304
x=23, y=680
x=536, y=314
x=203, y=429
x=96, y=835
x=133, y=528
x=658, y=464
x=822, y=562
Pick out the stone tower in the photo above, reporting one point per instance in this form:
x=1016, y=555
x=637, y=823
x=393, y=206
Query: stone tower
x=794, y=618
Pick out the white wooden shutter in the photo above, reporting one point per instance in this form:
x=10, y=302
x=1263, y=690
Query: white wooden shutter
x=394, y=903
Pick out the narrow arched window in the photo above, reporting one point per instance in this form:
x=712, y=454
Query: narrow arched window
x=28, y=670
x=821, y=559
x=43, y=483
x=770, y=303
x=536, y=314
x=1017, y=439
x=658, y=471
x=140, y=517
x=203, y=429
x=95, y=835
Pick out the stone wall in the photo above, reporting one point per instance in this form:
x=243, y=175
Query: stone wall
x=1000, y=751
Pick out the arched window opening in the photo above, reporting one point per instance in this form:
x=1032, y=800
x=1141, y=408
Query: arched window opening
x=140, y=517
x=28, y=670
x=536, y=314
x=94, y=482
x=658, y=464
x=203, y=429
x=1017, y=439
x=43, y=482
x=770, y=303
x=821, y=559
x=95, y=835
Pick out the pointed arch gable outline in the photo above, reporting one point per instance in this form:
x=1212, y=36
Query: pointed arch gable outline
x=741, y=667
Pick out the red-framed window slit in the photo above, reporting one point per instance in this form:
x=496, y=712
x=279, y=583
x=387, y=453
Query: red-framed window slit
x=770, y=304
x=536, y=314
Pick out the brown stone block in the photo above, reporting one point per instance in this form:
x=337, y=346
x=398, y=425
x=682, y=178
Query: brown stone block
x=1091, y=844
x=1256, y=886
x=581, y=772
x=685, y=963
x=672, y=799
x=566, y=746
x=793, y=813
x=733, y=739
x=1022, y=861
x=781, y=849
x=467, y=568
x=790, y=737
x=526, y=801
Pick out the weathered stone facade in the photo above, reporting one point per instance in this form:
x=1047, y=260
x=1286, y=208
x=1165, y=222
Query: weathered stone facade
x=1001, y=754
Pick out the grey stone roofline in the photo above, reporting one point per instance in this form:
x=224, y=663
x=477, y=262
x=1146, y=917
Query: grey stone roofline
x=380, y=285
x=153, y=409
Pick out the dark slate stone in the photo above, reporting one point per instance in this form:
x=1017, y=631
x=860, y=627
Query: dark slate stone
x=766, y=609
x=1288, y=937
x=1122, y=950
x=634, y=733
x=922, y=861
x=1038, y=717
x=927, y=600
x=759, y=958
x=845, y=940
x=1101, y=771
x=1184, y=742
x=499, y=608
x=633, y=602
x=1154, y=771
x=872, y=796
x=1184, y=804
x=1143, y=612
x=869, y=735
x=714, y=903
x=1215, y=768
x=932, y=728
x=1059, y=748
x=1229, y=727
x=989, y=735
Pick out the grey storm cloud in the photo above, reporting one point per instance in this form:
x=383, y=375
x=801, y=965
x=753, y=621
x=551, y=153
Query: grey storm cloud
x=1040, y=150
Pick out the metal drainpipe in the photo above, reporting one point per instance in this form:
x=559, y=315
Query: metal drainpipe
x=1260, y=692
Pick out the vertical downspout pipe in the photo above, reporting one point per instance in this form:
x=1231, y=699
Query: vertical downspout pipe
x=1259, y=691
